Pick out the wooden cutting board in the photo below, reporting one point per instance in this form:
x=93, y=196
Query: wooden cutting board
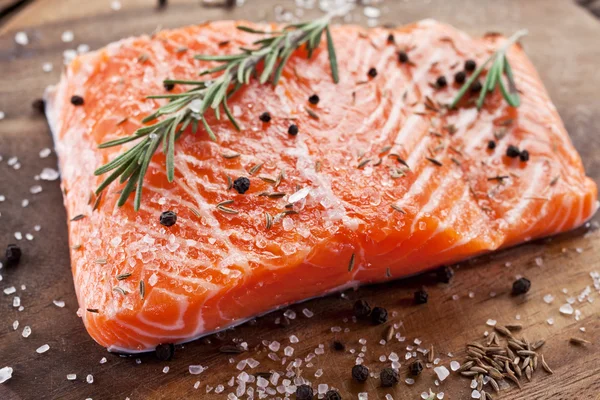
x=562, y=44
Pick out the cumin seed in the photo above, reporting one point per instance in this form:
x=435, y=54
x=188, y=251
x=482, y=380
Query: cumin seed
x=142, y=289
x=312, y=114
x=120, y=290
x=398, y=208
x=255, y=168
x=230, y=156
x=93, y=310
x=77, y=218
x=545, y=366
x=101, y=261
x=227, y=210
x=268, y=220
x=351, y=263
x=578, y=341
x=124, y=275
x=363, y=163
x=436, y=162
x=229, y=182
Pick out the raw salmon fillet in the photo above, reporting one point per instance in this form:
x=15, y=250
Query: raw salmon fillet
x=212, y=270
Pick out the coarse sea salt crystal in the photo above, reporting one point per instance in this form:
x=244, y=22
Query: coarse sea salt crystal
x=290, y=314
x=89, y=378
x=389, y=397
x=49, y=174
x=18, y=235
x=409, y=381
x=5, y=374
x=288, y=351
x=548, y=299
x=16, y=301
x=165, y=370
x=440, y=395
x=475, y=394
x=42, y=349
x=550, y=321
x=22, y=38
x=15, y=325
x=299, y=195
x=197, y=385
x=35, y=189
x=71, y=377
x=307, y=313
x=363, y=396
x=454, y=365
x=196, y=369
x=566, y=309
x=44, y=153
x=103, y=360
x=294, y=339
x=67, y=36
x=441, y=372
x=274, y=346
x=116, y=6
x=10, y=290
x=491, y=322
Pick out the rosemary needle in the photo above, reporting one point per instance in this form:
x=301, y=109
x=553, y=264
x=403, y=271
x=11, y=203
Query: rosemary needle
x=185, y=109
x=500, y=66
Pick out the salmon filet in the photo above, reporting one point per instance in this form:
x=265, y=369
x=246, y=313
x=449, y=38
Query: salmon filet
x=380, y=182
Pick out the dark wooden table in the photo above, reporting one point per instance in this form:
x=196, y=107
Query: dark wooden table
x=562, y=44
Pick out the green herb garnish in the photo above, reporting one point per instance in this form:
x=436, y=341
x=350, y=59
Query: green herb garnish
x=189, y=108
x=500, y=66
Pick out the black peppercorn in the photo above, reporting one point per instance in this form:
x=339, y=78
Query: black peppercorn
x=421, y=296
x=460, y=77
x=241, y=184
x=402, y=57
x=388, y=377
x=476, y=87
x=415, y=367
x=39, y=105
x=491, y=145
x=379, y=315
x=338, y=346
x=360, y=373
x=333, y=395
x=524, y=156
x=512, y=151
x=13, y=254
x=77, y=100
x=362, y=309
x=314, y=99
x=445, y=274
x=293, y=129
x=265, y=117
x=470, y=65
x=165, y=351
x=521, y=286
x=390, y=38
x=441, y=82
x=304, y=392
x=168, y=218
x=169, y=86
x=372, y=72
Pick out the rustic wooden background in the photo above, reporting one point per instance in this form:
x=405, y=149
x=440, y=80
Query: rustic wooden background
x=563, y=45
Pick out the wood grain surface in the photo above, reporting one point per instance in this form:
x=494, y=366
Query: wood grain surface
x=562, y=44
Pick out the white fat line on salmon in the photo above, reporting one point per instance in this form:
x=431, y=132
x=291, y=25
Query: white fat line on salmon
x=569, y=211
x=179, y=299
x=398, y=105
x=536, y=186
x=358, y=47
x=447, y=181
x=198, y=282
x=188, y=338
x=413, y=130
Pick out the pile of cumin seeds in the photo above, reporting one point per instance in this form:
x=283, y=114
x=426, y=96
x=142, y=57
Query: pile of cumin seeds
x=501, y=360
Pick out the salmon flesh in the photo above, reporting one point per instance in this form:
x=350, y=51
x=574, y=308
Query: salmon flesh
x=382, y=180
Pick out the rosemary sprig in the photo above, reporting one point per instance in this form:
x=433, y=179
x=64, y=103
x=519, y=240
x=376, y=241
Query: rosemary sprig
x=500, y=66
x=188, y=108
